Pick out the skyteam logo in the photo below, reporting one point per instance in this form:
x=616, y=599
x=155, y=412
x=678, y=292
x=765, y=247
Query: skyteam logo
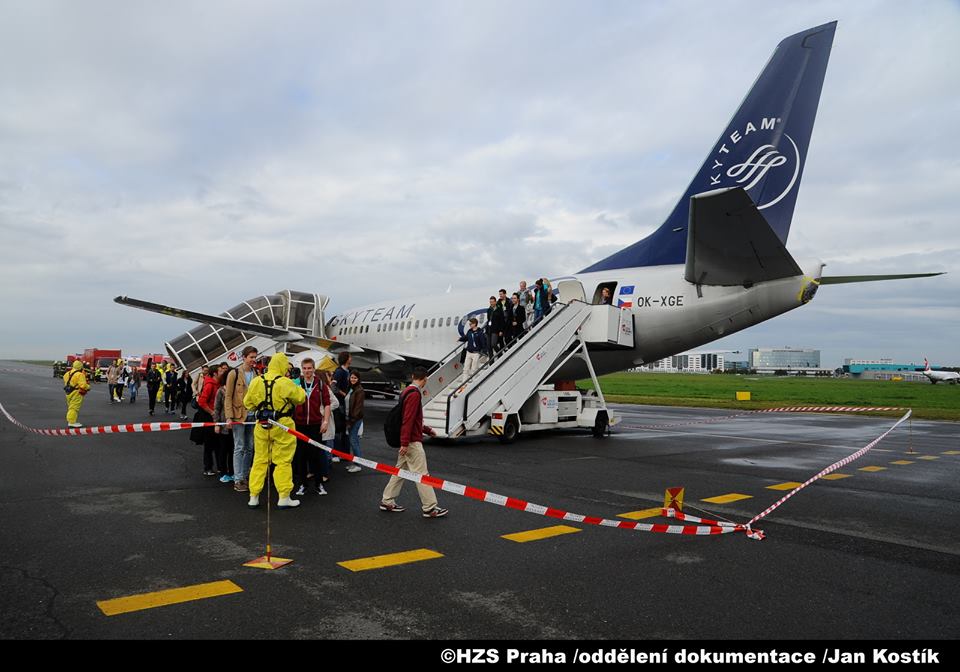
x=746, y=158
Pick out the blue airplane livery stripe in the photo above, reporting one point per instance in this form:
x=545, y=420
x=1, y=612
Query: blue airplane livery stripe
x=762, y=149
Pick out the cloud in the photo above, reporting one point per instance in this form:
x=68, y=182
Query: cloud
x=201, y=154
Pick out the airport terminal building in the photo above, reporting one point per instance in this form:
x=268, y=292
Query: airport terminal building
x=689, y=362
x=786, y=359
x=883, y=369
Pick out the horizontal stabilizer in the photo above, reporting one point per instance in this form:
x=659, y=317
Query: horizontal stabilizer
x=730, y=242
x=844, y=279
x=276, y=333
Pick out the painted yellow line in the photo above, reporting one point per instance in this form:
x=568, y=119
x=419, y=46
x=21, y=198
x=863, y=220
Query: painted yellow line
x=836, y=476
x=542, y=533
x=389, y=560
x=872, y=469
x=163, y=598
x=951, y=452
x=726, y=499
x=902, y=462
x=928, y=457
x=641, y=514
x=789, y=485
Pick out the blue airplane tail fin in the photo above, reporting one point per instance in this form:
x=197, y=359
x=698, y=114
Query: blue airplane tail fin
x=763, y=149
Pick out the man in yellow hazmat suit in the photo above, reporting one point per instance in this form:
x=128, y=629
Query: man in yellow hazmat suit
x=76, y=380
x=273, y=395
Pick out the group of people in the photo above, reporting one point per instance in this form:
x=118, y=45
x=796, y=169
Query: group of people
x=163, y=381
x=508, y=319
x=323, y=405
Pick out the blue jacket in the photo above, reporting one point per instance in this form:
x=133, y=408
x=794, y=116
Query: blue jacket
x=475, y=340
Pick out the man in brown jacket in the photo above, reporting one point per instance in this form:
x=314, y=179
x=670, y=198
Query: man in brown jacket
x=238, y=380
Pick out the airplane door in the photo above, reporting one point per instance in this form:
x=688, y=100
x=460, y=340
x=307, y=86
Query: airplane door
x=571, y=290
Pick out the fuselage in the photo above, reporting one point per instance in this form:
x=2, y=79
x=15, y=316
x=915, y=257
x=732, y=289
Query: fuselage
x=671, y=315
x=942, y=376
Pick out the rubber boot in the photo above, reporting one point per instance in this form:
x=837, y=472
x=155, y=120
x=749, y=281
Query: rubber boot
x=287, y=503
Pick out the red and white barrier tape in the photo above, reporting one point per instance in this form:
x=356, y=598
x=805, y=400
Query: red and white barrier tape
x=115, y=429
x=828, y=409
x=701, y=421
x=679, y=515
x=518, y=504
x=703, y=527
x=783, y=409
x=833, y=467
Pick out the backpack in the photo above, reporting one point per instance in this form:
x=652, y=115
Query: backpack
x=391, y=426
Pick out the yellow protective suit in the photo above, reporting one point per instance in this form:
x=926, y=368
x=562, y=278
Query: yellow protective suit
x=272, y=443
x=76, y=377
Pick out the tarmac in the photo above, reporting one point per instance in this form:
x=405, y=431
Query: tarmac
x=873, y=554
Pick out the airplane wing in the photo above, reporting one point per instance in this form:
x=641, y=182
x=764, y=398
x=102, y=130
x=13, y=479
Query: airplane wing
x=276, y=333
x=372, y=355
x=843, y=279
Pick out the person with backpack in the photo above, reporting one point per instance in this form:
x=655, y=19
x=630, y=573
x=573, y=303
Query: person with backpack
x=75, y=386
x=404, y=428
x=273, y=396
x=206, y=436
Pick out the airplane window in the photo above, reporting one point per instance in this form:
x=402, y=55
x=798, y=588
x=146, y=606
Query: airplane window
x=409, y=324
x=417, y=325
x=449, y=320
x=433, y=322
x=456, y=320
x=378, y=328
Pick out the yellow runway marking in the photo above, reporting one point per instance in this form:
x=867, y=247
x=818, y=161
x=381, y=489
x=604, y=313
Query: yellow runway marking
x=789, y=485
x=872, y=469
x=389, y=560
x=641, y=514
x=928, y=457
x=836, y=476
x=542, y=533
x=951, y=452
x=902, y=462
x=726, y=499
x=163, y=598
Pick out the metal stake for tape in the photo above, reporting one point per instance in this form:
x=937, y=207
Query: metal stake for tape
x=268, y=561
x=910, y=449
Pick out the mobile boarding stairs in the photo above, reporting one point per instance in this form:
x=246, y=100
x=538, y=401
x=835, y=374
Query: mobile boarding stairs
x=508, y=393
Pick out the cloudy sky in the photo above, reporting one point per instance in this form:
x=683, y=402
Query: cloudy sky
x=199, y=153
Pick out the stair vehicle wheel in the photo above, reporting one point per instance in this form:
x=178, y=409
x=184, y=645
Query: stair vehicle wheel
x=600, y=425
x=510, y=430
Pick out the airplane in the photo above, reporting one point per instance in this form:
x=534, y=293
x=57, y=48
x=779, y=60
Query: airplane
x=717, y=265
x=935, y=377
